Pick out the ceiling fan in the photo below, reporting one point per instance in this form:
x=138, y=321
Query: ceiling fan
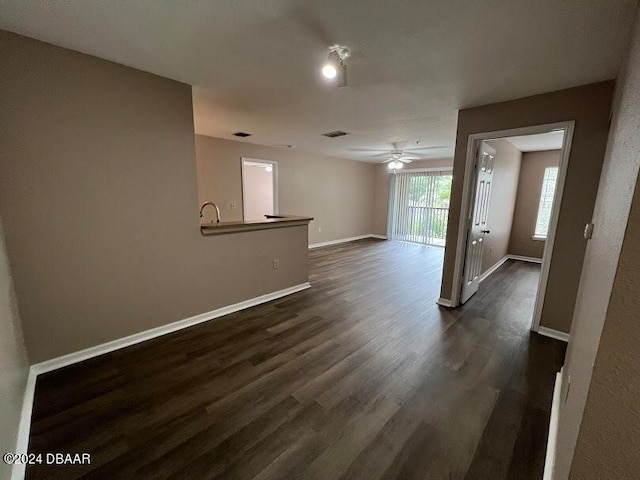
x=398, y=155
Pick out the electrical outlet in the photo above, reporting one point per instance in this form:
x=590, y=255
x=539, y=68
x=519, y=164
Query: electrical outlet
x=232, y=205
x=319, y=229
x=276, y=264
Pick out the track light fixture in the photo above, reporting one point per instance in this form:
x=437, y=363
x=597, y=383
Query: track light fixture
x=335, y=66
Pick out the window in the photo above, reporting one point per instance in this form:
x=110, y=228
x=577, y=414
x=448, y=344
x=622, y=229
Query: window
x=546, y=202
x=419, y=206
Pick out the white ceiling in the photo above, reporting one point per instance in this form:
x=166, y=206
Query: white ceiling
x=255, y=64
x=538, y=142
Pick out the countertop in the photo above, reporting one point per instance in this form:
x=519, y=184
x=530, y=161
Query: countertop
x=270, y=221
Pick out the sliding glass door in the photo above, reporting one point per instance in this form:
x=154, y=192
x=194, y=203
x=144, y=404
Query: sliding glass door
x=419, y=206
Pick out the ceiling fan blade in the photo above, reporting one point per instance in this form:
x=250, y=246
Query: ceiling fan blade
x=405, y=160
x=387, y=161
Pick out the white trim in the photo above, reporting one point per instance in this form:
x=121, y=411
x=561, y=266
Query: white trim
x=473, y=142
x=553, y=226
x=550, y=457
x=91, y=352
x=550, y=332
x=345, y=240
x=498, y=264
x=443, y=302
x=522, y=258
x=22, y=443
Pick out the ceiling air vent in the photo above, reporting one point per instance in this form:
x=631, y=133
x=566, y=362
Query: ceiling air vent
x=335, y=134
x=242, y=134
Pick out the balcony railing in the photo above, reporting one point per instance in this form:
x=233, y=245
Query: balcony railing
x=427, y=225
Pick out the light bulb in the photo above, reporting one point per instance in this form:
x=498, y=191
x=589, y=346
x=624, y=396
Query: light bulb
x=329, y=71
x=391, y=165
x=398, y=165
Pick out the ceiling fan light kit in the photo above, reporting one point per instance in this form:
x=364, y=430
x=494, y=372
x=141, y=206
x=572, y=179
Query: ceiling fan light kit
x=395, y=165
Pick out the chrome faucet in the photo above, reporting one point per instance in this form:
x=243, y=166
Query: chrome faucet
x=214, y=206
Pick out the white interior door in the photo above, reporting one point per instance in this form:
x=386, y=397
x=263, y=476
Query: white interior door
x=478, y=222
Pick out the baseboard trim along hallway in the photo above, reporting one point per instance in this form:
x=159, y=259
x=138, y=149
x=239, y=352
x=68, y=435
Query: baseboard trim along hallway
x=550, y=332
x=498, y=264
x=345, y=240
x=107, y=347
x=443, y=302
x=22, y=445
x=550, y=456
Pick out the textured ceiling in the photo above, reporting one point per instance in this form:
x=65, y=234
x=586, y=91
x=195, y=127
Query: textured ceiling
x=255, y=64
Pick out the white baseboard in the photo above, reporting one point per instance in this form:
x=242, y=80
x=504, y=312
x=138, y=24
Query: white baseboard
x=345, y=240
x=525, y=259
x=504, y=259
x=443, y=302
x=24, y=428
x=91, y=352
x=498, y=264
x=550, y=457
x=550, y=332
x=22, y=443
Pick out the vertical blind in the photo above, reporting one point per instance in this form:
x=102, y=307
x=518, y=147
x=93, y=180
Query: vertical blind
x=419, y=207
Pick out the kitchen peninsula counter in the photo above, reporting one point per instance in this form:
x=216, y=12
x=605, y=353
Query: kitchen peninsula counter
x=270, y=221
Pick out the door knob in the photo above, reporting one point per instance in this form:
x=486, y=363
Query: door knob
x=485, y=231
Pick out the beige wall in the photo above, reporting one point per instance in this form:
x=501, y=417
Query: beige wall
x=502, y=203
x=381, y=188
x=528, y=201
x=337, y=193
x=589, y=106
x=14, y=365
x=608, y=439
x=99, y=203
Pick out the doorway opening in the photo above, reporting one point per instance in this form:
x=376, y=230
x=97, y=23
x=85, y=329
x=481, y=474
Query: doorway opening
x=512, y=191
x=419, y=206
x=259, y=188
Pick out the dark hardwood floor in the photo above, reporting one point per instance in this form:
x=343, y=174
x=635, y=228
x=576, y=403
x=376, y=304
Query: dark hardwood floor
x=362, y=376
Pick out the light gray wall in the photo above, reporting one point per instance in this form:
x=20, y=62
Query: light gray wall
x=502, y=204
x=527, y=202
x=337, y=193
x=14, y=365
x=99, y=200
x=608, y=439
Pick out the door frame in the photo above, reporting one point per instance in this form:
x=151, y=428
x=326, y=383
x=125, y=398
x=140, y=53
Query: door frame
x=274, y=164
x=470, y=175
